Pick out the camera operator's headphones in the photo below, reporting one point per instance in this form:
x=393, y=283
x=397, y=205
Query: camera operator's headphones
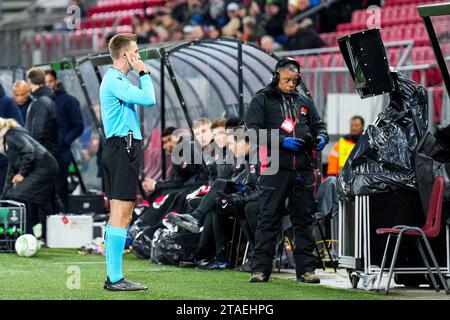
x=283, y=62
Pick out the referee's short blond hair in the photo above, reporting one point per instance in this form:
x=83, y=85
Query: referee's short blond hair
x=118, y=42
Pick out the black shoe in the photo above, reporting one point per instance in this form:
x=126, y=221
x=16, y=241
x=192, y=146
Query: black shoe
x=185, y=221
x=258, y=277
x=123, y=285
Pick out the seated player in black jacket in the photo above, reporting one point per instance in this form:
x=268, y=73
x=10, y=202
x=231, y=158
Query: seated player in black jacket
x=239, y=193
x=184, y=175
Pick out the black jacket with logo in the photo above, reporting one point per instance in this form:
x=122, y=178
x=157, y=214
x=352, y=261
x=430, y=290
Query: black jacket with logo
x=266, y=112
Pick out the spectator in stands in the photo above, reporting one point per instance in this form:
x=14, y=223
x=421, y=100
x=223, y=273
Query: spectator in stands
x=242, y=13
x=216, y=11
x=179, y=11
x=231, y=29
x=31, y=173
x=42, y=117
x=8, y=109
x=21, y=93
x=169, y=23
x=337, y=12
x=275, y=20
x=177, y=35
x=252, y=31
x=256, y=11
x=189, y=12
x=136, y=22
x=162, y=34
x=341, y=150
x=193, y=32
x=70, y=127
x=301, y=38
x=213, y=32
x=148, y=28
x=296, y=7
x=269, y=44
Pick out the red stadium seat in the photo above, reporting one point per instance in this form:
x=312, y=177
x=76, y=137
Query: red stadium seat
x=393, y=56
x=312, y=62
x=338, y=60
x=438, y=94
x=326, y=60
x=301, y=60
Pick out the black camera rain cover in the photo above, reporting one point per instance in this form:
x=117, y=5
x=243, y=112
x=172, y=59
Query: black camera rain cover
x=432, y=160
x=383, y=158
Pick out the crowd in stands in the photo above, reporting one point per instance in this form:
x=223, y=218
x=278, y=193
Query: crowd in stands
x=273, y=24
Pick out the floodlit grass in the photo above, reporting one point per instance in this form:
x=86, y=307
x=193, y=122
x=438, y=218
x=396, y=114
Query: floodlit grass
x=46, y=276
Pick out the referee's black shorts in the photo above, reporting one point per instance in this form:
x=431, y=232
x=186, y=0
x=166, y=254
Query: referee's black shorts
x=121, y=169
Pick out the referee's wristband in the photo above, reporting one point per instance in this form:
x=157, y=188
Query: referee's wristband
x=143, y=73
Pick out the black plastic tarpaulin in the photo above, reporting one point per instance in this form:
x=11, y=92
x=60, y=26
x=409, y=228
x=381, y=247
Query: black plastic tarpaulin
x=384, y=157
x=433, y=159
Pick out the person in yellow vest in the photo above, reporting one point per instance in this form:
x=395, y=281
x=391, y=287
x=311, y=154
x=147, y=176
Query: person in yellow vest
x=341, y=150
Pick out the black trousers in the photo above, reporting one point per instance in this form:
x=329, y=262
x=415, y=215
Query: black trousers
x=3, y=174
x=206, y=248
x=247, y=216
x=62, y=184
x=37, y=213
x=204, y=213
x=248, y=219
x=208, y=203
x=274, y=191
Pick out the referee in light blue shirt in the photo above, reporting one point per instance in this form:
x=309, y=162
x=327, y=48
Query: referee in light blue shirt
x=122, y=151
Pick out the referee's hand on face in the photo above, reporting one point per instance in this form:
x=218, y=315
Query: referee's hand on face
x=137, y=64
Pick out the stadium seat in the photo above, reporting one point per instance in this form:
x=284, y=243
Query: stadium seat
x=301, y=60
x=393, y=56
x=326, y=60
x=438, y=93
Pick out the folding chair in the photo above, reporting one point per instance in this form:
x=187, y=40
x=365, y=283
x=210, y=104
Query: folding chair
x=317, y=223
x=431, y=229
x=285, y=234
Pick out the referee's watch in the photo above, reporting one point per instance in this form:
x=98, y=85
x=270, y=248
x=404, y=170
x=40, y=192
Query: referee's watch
x=143, y=73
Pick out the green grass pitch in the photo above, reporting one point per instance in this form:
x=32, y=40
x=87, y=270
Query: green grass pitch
x=46, y=275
